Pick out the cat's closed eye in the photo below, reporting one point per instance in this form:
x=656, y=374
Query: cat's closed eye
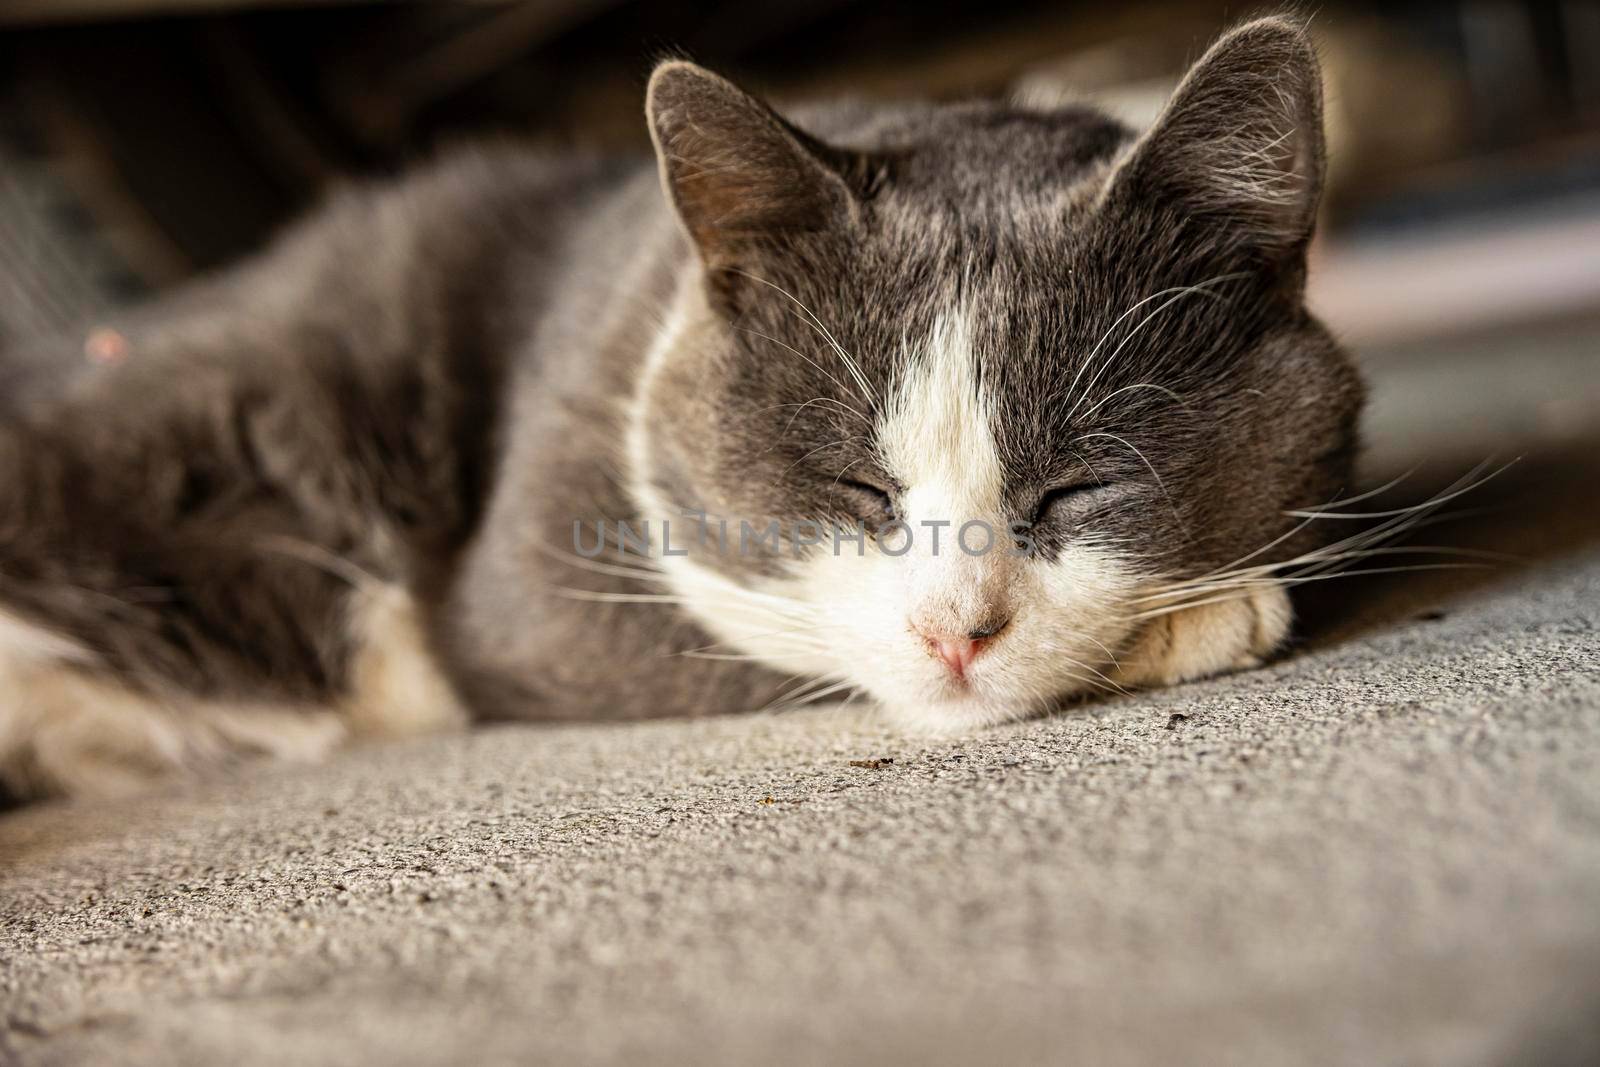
x=867, y=501
x=1059, y=498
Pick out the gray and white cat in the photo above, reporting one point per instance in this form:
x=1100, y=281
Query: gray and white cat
x=354, y=487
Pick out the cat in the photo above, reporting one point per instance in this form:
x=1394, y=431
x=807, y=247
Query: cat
x=367, y=483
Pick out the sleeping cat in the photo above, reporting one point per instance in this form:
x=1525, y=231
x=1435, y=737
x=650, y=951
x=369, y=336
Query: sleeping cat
x=490, y=442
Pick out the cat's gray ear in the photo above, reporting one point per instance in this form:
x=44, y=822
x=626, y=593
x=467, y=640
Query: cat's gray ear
x=739, y=176
x=1241, y=139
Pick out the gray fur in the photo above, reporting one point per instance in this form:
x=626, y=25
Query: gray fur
x=429, y=381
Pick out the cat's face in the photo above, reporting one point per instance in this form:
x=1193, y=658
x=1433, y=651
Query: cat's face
x=1041, y=363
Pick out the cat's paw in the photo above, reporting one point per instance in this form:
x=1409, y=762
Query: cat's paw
x=1207, y=639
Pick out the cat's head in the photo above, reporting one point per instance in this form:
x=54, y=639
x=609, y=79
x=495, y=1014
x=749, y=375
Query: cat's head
x=1084, y=347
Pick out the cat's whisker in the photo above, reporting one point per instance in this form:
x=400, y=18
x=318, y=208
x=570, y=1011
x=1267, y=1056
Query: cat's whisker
x=1101, y=684
x=1446, y=496
x=1248, y=588
x=722, y=522
x=1080, y=458
x=317, y=556
x=814, y=451
x=747, y=657
x=605, y=597
x=1050, y=654
x=772, y=633
x=1175, y=292
x=1102, y=646
x=734, y=611
x=800, y=409
x=808, y=699
x=1175, y=397
x=1267, y=575
x=1088, y=360
x=643, y=572
x=1406, y=520
x=1105, y=364
x=849, y=362
x=1098, y=679
x=845, y=470
x=1275, y=542
x=801, y=355
x=1360, y=545
x=1270, y=574
x=811, y=690
x=1105, y=679
x=1143, y=459
x=803, y=683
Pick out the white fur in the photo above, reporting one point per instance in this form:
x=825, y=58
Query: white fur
x=66, y=729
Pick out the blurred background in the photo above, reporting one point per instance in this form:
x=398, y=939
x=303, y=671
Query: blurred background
x=144, y=140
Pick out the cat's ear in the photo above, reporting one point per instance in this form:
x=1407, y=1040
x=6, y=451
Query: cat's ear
x=1241, y=139
x=740, y=177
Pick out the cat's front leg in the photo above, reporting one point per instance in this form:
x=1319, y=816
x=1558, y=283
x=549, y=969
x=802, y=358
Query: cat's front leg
x=1233, y=632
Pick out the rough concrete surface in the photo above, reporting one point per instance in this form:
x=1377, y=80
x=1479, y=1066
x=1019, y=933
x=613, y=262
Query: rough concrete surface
x=1384, y=848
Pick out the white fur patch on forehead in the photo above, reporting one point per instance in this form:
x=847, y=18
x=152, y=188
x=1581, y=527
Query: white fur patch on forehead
x=936, y=436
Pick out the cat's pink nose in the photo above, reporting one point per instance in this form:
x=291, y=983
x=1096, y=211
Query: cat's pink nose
x=957, y=652
x=956, y=646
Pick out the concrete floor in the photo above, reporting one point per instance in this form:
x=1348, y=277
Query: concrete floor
x=1383, y=848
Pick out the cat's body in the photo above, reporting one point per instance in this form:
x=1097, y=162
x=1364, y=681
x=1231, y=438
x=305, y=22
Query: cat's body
x=335, y=491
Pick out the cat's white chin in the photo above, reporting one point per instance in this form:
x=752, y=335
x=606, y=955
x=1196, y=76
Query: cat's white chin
x=955, y=713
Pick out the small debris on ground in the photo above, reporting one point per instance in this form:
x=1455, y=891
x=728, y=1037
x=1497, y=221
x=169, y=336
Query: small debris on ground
x=1177, y=717
x=1430, y=616
x=872, y=764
